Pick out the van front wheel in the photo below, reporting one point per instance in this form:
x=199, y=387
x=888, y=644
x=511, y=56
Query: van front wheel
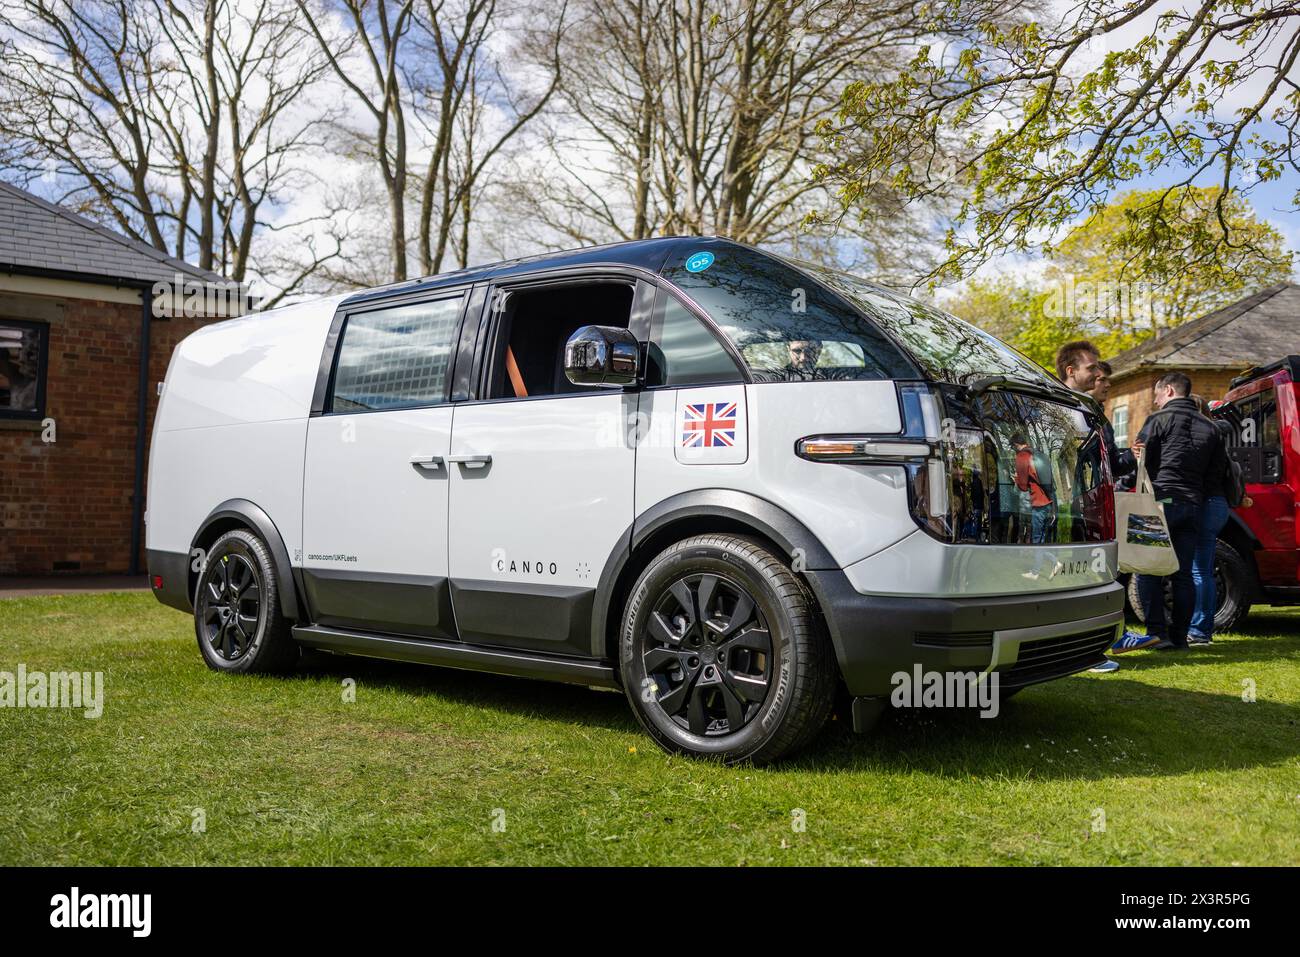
x=722, y=655
x=237, y=617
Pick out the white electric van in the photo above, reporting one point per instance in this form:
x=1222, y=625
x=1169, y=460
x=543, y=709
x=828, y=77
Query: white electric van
x=722, y=481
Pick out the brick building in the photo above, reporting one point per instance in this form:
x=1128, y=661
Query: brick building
x=1211, y=350
x=81, y=353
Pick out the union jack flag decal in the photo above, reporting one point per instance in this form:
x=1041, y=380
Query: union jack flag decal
x=709, y=425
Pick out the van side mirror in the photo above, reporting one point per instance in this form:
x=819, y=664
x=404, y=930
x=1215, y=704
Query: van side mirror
x=605, y=356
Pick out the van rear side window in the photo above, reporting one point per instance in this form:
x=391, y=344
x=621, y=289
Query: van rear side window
x=395, y=358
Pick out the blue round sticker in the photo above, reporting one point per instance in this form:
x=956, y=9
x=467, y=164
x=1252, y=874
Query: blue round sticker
x=698, y=262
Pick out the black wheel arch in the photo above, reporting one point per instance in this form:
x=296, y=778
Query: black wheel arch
x=241, y=513
x=681, y=516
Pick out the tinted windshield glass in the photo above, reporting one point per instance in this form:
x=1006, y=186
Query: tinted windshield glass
x=947, y=348
x=1029, y=472
x=787, y=326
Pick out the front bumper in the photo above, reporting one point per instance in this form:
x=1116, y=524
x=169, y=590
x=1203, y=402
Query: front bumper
x=1026, y=638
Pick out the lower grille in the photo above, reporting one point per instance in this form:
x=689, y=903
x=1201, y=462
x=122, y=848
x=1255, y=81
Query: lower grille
x=1049, y=658
x=953, y=639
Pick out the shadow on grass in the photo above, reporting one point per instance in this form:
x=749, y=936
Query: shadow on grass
x=1068, y=730
x=1071, y=729
x=554, y=701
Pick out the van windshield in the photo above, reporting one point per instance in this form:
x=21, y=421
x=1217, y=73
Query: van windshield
x=947, y=348
x=787, y=326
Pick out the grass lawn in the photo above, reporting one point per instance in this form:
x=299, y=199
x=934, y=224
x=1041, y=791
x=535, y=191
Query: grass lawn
x=419, y=767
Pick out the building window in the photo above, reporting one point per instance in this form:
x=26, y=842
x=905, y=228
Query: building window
x=24, y=352
x=1119, y=422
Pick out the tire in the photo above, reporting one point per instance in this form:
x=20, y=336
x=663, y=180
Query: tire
x=237, y=618
x=1234, y=588
x=758, y=660
x=1136, y=605
x=1235, y=581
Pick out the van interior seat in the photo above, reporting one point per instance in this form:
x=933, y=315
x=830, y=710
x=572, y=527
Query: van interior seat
x=539, y=322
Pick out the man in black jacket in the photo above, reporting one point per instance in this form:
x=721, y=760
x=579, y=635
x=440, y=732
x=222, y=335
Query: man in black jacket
x=1183, y=449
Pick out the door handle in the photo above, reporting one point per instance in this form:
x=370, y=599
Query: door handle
x=430, y=462
x=471, y=461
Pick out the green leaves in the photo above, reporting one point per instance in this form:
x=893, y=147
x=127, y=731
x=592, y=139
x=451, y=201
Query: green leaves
x=1047, y=130
x=1131, y=270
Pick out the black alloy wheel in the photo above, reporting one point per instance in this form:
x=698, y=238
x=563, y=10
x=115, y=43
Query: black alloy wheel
x=231, y=596
x=723, y=654
x=239, y=620
x=709, y=653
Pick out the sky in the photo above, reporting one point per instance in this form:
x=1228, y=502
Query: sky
x=1272, y=201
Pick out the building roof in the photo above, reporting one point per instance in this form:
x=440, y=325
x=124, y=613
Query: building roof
x=1253, y=331
x=37, y=236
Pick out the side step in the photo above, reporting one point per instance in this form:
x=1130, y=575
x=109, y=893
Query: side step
x=520, y=664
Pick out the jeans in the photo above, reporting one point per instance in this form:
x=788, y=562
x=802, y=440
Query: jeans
x=1041, y=522
x=1214, y=515
x=1184, y=520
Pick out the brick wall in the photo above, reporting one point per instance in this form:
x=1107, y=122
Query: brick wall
x=67, y=504
x=1134, y=391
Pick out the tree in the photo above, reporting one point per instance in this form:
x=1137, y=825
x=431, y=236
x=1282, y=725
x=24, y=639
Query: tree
x=1140, y=285
x=1098, y=285
x=374, y=31
x=428, y=67
x=1044, y=136
x=702, y=116
x=176, y=121
x=1015, y=310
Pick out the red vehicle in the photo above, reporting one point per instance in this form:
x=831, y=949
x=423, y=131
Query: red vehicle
x=1258, y=556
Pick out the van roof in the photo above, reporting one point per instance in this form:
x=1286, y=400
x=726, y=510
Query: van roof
x=649, y=254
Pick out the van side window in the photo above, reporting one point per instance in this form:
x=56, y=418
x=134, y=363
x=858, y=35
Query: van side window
x=683, y=351
x=395, y=358
x=527, y=357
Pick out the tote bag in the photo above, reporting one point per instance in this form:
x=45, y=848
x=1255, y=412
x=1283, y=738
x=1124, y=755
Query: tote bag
x=1144, y=543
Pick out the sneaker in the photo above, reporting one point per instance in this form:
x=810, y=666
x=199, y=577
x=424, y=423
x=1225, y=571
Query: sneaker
x=1199, y=640
x=1105, y=668
x=1170, y=646
x=1133, y=641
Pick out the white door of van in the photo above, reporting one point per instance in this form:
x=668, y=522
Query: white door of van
x=375, y=489
x=542, y=471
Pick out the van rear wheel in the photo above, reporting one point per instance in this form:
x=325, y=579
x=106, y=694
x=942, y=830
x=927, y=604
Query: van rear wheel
x=722, y=655
x=237, y=617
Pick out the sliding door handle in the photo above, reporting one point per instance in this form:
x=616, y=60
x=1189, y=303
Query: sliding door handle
x=430, y=462
x=471, y=461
